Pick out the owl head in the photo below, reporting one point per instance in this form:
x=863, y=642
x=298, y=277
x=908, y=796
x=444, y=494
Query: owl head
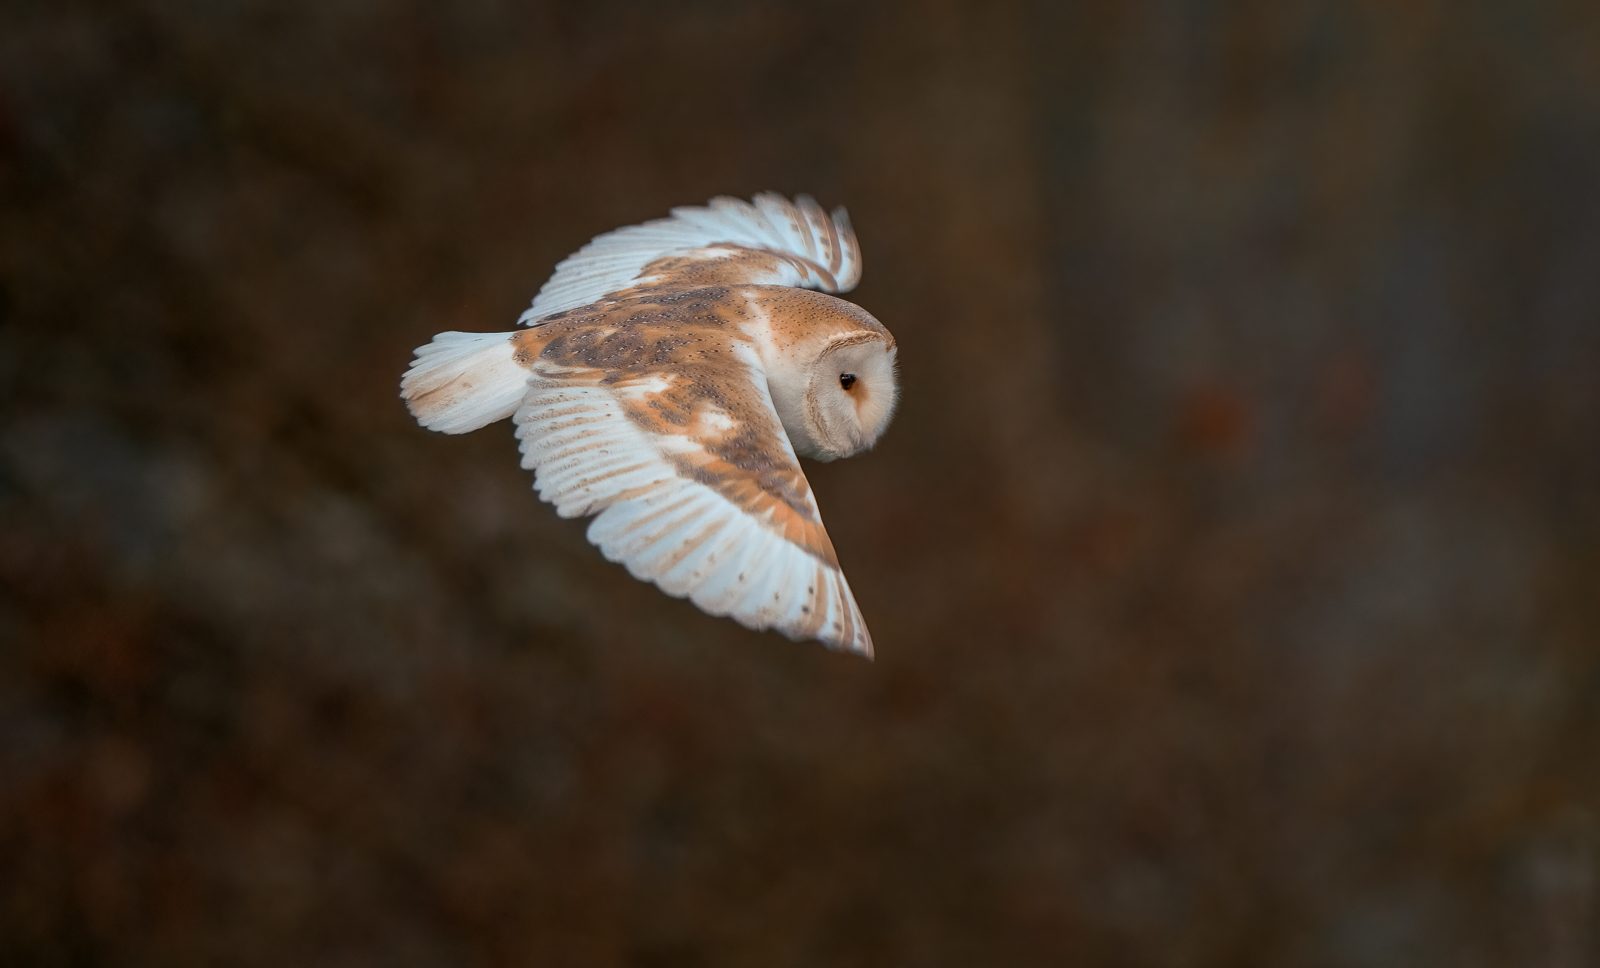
x=837, y=399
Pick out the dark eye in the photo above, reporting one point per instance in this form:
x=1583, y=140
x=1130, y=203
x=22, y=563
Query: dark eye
x=847, y=380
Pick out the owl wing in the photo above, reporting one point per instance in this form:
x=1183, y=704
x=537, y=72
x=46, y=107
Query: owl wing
x=692, y=481
x=767, y=241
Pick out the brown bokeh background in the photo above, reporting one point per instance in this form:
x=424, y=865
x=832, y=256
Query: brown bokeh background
x=1232, y=560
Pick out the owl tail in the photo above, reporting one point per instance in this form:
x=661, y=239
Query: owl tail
x=463, y=381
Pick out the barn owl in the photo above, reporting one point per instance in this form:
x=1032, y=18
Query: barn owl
x=668, y=375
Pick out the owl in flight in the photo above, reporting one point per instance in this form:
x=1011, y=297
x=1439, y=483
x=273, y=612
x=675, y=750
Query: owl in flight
x=668, y=376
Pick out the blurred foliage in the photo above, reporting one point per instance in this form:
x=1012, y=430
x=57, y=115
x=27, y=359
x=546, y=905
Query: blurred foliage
x=1232, y=561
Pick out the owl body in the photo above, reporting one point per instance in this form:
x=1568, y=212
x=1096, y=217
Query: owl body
x=668, y=378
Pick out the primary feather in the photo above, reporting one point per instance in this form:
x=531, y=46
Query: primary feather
x=813, y=250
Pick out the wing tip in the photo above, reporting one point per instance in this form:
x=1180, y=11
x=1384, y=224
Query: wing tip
x=858, y=644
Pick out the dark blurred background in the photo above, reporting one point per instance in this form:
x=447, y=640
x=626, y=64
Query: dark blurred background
x=1232, y=561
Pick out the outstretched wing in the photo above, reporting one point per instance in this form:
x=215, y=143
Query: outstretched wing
x=767, y=241
x=691, y=479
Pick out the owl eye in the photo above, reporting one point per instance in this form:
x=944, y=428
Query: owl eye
x=847, y=380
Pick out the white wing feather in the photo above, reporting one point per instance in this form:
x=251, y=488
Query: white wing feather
x=819, y=251
x=589, y=458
